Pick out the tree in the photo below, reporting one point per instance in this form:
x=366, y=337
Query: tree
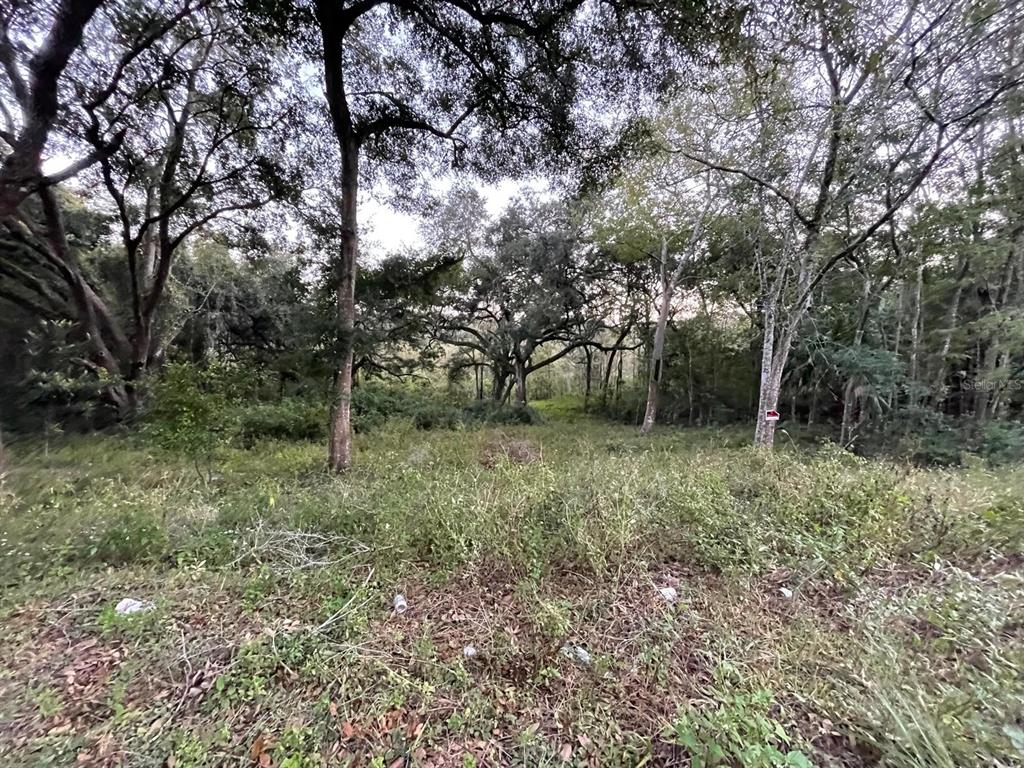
x=460, y=67
x=911, y=81
x=196, y=115
x=398, y=302
x=658, y=211
x=167, y=104
x=534, y=284
x=32, y=85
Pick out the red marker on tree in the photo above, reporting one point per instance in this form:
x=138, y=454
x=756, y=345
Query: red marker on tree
x=771, y=415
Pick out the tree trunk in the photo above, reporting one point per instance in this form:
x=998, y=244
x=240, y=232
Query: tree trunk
x=658, y=345
x=498, y=381
x=772, y=365
x=849, y=393
x=93, y=316
x=589, y=355
x=689, y=381
x=951, y=322
x=995, y=358
x=340, y=452
x=607, y=378
x=615, y=351
x=915, y=328
x=520, y=372
x=618, y=379
x=894, y=394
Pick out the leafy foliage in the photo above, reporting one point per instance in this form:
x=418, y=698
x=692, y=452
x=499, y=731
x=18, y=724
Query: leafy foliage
x=736, y=728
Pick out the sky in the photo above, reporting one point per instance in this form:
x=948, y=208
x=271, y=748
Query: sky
x=394, y=230
x=383, y=226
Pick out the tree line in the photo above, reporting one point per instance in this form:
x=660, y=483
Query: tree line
x=810, y=208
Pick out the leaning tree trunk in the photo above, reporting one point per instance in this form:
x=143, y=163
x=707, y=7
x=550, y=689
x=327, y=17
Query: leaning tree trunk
x=340, y=451
x=609, y=366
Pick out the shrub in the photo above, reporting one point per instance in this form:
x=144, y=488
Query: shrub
x=289, y=419
x=928, y=438
x=190, y=411
x=374, y=403
x=490, y=412
x=1001, y=442
x=739, y=728
x=129, y=537
x=435, y=415
x=626, y=406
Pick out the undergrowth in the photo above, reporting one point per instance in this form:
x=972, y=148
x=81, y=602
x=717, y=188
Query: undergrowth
x=867, y=612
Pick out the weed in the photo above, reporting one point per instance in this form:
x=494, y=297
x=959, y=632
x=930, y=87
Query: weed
x=898, y=630
x=735, y=727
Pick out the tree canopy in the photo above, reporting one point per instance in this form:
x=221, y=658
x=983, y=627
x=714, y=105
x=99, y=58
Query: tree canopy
x=819, y=202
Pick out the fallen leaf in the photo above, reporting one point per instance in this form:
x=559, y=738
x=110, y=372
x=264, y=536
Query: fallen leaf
x=566, y=754
x=258, y=748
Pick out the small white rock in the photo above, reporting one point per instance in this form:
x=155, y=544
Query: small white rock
x=786, y=592
x=130, y=605
x=669, y=593
x=469, y=651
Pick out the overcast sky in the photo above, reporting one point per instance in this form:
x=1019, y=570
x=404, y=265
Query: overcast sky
x=393, y=230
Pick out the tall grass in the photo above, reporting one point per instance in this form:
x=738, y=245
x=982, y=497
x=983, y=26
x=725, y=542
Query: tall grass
x=599, y=500
x=907, y=579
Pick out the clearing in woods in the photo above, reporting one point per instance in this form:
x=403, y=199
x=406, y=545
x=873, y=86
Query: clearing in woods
x=582, y=596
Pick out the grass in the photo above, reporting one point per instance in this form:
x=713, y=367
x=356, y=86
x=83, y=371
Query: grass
x=830, y=610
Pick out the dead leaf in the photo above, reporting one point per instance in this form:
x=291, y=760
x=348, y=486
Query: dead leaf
x=566, y=754
x=258, y=748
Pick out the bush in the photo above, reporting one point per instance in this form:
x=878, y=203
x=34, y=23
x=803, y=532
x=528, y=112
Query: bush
x=935, y=439
x=194, y=411
x=490, y=412
x=437, y=416
x=626, y=406
x=1001, y=442
x=289, y=419
x=738, y=728
x=190, y=410
x=129, y=537
x=374, y=403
